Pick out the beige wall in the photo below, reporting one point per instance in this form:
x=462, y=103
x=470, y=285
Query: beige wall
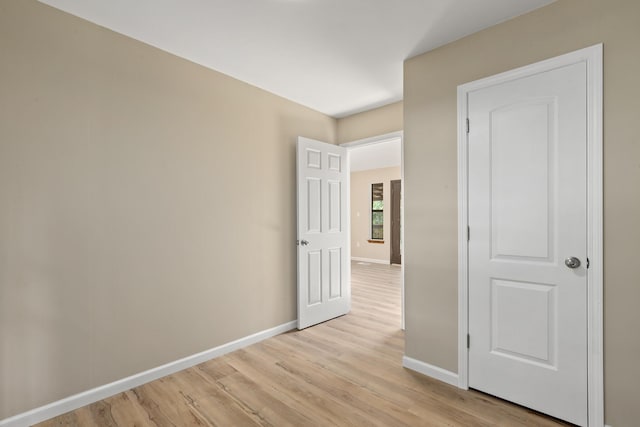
x=360, y=212
x=115, y=158
x=370, y=123
x=430, y=82
x=135, y=190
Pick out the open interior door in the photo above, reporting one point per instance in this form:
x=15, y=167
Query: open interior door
x=324, y=288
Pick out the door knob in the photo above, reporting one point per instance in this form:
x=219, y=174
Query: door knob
x=306, y=242
x=572, y=262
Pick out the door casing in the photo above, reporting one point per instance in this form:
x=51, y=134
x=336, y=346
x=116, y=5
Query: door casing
x=592, y=56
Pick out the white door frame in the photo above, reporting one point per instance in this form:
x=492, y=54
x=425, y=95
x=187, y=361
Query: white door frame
x=378, y=140
x=592, y=57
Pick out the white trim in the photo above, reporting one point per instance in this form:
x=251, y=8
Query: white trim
x=371, y=260
x=378, y=140
x=463, y=251
x=430, y=370
x=595, y=240
x=79, y=400
x=387, y=137
x=348, y=189
x=403, y=256
x=592, y=57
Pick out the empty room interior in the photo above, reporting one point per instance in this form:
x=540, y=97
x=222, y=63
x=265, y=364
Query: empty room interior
x=188, y=235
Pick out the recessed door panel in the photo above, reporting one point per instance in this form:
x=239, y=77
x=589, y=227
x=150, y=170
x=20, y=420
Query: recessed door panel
x=315, y=277
x=522, y=140
x=335, y=273
x=314, y=205
x=314, y=158
x=335, y=206
x=523, y=321
x=335, y=162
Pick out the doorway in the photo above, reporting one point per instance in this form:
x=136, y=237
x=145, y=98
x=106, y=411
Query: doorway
x=375, y=163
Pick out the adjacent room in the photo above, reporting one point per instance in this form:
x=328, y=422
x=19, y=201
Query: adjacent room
x=319, y=212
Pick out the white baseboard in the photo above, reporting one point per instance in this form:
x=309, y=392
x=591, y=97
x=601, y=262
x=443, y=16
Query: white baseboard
x=371, y=260
x=430, y=370
x=79, y=400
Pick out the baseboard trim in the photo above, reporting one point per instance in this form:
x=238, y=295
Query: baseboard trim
x=430, y=370
x=79, y=400
x=371, y=260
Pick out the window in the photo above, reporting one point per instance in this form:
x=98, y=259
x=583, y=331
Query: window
x=377, y=213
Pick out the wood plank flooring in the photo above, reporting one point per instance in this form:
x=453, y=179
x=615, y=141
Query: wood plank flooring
x=344, y=372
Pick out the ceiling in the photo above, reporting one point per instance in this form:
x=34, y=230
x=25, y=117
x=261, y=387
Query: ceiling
x=336, y=56
x=374, y=156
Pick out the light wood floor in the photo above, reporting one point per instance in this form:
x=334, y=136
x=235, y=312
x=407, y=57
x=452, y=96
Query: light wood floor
x=345, y=372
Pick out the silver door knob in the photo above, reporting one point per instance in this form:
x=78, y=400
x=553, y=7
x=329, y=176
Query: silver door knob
x=572, y=262
x=306, y=242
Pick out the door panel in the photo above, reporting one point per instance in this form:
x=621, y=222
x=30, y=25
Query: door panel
x=527, y=213
x=314, y=205
x=335, y=273
x=522, y=143
x=528, y=338
x=314, y=278
x=335, y=206
x=323, y=267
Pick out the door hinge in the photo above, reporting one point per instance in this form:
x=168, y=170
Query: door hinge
x=468, y=127
x=468, y=341
x=468, y=233
x=588, y=263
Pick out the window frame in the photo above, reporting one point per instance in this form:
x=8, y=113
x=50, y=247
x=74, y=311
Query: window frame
x=373, y=239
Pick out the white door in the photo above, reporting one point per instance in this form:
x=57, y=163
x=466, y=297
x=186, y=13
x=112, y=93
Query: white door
x=527, y=181
x=324, y=289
